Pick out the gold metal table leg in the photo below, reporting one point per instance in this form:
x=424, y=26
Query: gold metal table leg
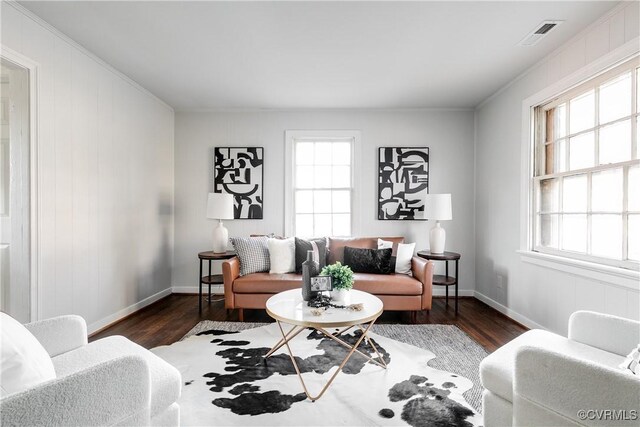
x=282, y=341
x=286, y=338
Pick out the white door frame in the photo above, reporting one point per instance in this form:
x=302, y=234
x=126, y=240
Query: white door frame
x=10, y=55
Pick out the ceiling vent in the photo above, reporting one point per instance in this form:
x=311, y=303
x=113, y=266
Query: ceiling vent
x=540, y=31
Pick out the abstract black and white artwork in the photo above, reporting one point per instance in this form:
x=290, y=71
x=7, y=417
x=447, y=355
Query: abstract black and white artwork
x=240, y=171
x=403, y=182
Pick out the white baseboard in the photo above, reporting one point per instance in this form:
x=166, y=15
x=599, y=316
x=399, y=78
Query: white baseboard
x=508, y=312
x=215, y=289
x=102, y=323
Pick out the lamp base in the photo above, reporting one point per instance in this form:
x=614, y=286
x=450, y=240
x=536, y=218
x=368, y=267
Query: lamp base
x=437, y=237
x=220, y=239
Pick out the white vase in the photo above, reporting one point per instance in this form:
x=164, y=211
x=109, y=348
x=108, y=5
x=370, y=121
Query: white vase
x=341, y=296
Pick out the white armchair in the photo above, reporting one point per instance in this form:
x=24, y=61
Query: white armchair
x=544, y=379
x=111, y=381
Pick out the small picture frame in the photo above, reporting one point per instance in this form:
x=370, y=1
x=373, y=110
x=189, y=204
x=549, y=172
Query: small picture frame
x=321, y=283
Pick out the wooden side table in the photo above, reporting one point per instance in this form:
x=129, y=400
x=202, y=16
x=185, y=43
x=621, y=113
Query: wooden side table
x=211, y=279
x=446, y=280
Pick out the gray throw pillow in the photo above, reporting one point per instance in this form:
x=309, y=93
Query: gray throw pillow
x=253, y=253
x=302, y=246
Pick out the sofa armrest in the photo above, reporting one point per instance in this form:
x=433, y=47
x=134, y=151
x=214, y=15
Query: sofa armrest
x=563, y=386
x=230, y=272
x=422, y=270
x=606, y=332
x=110, y=393
x=60, y=334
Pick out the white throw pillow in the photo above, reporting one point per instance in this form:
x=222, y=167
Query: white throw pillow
x=282, y=255
x=632, y=363
x=24, y=362
x=404, y=254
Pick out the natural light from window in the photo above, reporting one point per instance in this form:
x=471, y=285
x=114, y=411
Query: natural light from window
x=322, y=179
x=587, y=172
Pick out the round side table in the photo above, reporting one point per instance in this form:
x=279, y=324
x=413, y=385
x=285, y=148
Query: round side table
x=446, y=280
x=211, y=279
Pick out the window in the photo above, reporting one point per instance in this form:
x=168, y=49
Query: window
x=321, y=189
x=586, y=201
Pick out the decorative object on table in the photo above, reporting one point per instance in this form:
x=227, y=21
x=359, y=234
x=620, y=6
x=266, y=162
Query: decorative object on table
x=341, y=280
x=253, y=254
x=438, y=209
x=282, y=255
x=321, y=284
x=403, y=182
x=446, y=280
x=404, y=254
x=310, y=268
x=220, y=206
x=442, y=353
x=211, y=279
x=239, y=171
x=319, y=248
x=372, y=261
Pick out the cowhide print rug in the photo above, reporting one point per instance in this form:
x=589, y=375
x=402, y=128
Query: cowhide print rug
x=228, y=382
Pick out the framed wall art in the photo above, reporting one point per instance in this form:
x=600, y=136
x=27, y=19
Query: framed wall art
x=403, y=182
x=240, y=171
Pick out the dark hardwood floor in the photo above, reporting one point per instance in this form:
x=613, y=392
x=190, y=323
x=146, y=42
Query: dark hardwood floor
x=168, y=320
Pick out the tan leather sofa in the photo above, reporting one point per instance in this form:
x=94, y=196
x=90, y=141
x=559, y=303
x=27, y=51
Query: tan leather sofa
x=397, y=291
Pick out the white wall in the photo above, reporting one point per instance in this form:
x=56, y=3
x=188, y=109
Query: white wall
x=448, y=134
x=105, y=179
x=537, y=296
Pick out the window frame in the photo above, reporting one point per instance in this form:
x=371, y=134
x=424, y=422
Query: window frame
x=537, y=114
x=294, y=136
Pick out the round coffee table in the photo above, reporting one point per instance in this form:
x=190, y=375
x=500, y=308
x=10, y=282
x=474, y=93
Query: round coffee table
x=289, y=307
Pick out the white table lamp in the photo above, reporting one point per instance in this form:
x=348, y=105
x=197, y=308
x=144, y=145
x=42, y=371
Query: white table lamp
x=220, y=206
x=438, y=208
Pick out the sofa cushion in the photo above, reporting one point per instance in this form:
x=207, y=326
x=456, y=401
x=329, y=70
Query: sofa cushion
x=496, y=370
x=253, y=253
x=282, y=255
x=166, y=381
x=337, y=245
x=317, y=246
x=265, y=283
x=24, y=362
x=387, y=284
x=377, y=284
x=404, y=254
x=375, y=261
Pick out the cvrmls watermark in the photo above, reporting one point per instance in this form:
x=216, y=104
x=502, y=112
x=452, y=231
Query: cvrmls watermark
x=608, y=414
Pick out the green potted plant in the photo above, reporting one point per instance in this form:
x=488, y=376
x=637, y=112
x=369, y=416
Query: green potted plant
x=341, y=280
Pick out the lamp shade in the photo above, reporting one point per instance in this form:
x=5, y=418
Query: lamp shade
x=438, y=207
x=220, y=206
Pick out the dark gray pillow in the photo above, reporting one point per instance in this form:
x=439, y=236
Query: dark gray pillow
x=373, y=261
x=253, y=254
x=302, y=246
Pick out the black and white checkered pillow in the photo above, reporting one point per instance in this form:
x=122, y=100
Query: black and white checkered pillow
x=253, y=254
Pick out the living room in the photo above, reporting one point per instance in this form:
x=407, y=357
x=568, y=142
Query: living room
x=171, y=171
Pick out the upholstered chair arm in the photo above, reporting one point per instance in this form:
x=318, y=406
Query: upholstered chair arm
x=604, y=331
x=551, y=388
x=60, y=334
x=230, y=272
x=422, y=270
x=116, y=392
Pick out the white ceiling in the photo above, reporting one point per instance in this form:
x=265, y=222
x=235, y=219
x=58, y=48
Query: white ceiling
x=227, y=55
